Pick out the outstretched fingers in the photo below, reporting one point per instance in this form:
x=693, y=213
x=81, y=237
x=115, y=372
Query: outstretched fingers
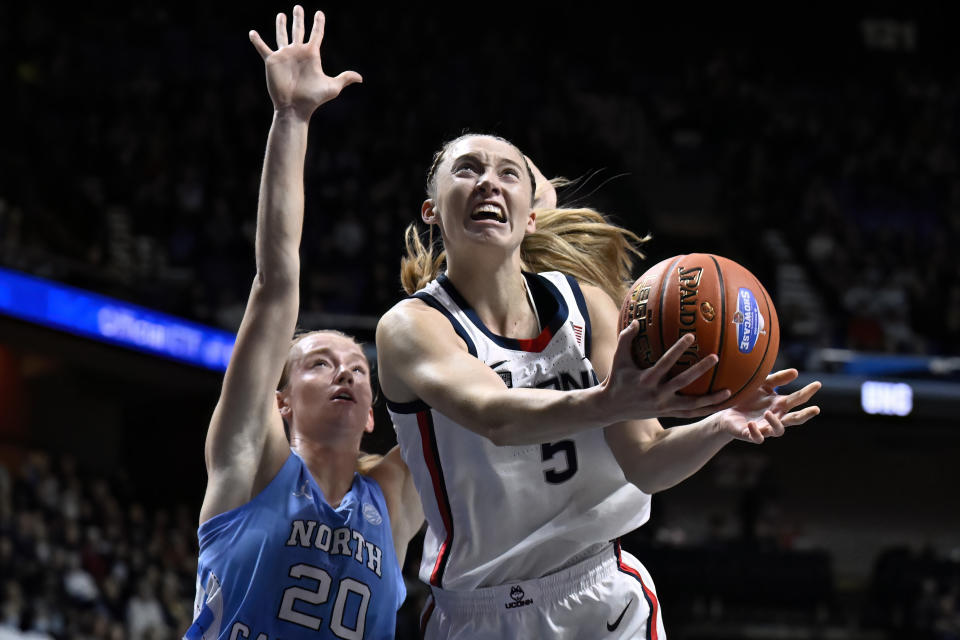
x=671, y=356
x=282, y=40
x=776, y=425
x=297, y=30
x=780, y=378
x=801, y=396
x=316, y=32
x=696, y=406
x=347, y=78
x=260, y=45
x=795, y=418
x=692, y=373
x=753, y=433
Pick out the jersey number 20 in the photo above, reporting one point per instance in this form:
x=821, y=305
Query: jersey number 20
x=320, y=596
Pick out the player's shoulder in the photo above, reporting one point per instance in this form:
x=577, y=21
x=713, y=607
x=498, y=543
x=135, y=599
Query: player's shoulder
x=409, y=319
x=595, y=296
x=371, y=482
x=387, y=472
x=601, y=308
x=405, y=309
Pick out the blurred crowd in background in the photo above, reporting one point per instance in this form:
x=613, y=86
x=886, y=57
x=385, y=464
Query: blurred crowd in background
x=138, y=176
x=93, y=556
x=825, y=162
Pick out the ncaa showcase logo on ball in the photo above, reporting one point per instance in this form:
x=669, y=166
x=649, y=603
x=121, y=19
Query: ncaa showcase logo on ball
x=748, y=320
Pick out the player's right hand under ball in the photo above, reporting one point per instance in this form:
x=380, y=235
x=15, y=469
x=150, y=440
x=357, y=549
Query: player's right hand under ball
x=634, y=393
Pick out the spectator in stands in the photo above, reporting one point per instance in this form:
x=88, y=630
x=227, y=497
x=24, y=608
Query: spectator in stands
x=145, y=617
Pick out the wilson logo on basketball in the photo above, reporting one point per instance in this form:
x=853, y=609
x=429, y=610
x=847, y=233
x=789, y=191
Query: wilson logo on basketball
x=517, y=594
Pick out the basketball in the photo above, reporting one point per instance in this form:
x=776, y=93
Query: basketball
x=722, y=304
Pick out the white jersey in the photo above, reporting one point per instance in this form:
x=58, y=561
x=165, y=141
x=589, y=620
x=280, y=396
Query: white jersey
x=502, y=514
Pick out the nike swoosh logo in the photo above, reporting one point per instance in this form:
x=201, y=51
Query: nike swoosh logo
x=302, y=493
x=616, y=623
x=497, y=364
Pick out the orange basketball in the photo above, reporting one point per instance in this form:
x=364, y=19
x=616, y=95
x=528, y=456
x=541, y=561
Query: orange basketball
x=722, y=304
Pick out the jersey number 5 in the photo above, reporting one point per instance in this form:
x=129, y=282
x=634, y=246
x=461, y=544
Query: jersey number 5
x=569, y=451
x=319, y=596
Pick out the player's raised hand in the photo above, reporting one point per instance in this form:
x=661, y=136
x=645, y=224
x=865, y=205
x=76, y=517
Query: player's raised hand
x=651, y=392
x=765, y=413
x=295, y=78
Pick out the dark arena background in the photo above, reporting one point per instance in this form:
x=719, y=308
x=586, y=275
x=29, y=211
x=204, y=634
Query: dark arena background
x=817, y=144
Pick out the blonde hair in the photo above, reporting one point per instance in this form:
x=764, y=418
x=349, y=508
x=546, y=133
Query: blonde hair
x=367, y=461
x=439, y=156
x=578, y=242
x=423, y=262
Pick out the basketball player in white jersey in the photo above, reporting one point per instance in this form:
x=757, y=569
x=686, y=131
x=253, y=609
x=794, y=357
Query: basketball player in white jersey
x=531, y=435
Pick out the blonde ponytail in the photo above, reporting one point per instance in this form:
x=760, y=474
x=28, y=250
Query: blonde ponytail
x=424, y=260
x=578, y=242
x=583, y=244
x=366, y=462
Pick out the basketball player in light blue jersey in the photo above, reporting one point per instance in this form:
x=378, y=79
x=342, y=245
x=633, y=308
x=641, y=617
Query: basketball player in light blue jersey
x=294, y=542
x=531, y=435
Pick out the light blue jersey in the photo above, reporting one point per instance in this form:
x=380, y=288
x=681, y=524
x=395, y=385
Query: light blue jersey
x=287, y=565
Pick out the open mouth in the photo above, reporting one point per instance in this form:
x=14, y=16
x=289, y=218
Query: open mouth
x=489, y=211
x=343, y=396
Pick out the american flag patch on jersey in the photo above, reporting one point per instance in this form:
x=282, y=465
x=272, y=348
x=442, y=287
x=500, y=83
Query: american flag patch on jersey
x=578, y=332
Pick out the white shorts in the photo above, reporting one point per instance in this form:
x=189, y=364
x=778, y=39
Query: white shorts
x=608, y=595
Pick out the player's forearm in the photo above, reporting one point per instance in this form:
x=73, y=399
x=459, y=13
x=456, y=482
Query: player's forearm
x=422, y=360
x=280, y=209
x=671, y=455
x=533, y=416
x=239, y=424
x=271, y=314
